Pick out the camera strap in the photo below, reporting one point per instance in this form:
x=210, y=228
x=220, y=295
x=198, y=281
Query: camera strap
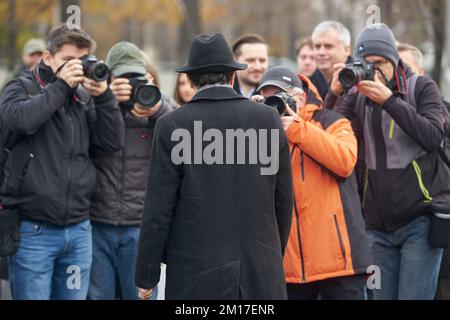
x=42, y=84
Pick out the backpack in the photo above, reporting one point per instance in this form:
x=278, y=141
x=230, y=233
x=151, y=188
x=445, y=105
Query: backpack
x=444, y=151
x=8, y=140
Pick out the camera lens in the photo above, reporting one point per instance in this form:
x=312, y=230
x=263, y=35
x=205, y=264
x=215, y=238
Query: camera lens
x=277, y=103
x=348, y=77
x=101, y=72
x=147, y=96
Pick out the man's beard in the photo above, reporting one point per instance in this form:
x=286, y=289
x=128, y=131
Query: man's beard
x=248, y=82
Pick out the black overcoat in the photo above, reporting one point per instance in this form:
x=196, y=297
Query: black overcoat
x=221, y=229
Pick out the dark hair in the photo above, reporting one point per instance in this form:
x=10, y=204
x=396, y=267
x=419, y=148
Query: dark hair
x=176, y=91
x=246, y=39
x=305, y=42
x=62, y=35
x=151, y=68
x=204, y=79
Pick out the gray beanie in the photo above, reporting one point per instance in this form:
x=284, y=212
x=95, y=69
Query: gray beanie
x=377, y=39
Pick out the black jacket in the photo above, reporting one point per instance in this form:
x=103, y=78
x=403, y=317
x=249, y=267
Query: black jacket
x=122, y=176
x=237, y=88
x=445, y=265
x=57, y=135
x=224, y=227
x=394, y=195
x=321, y=83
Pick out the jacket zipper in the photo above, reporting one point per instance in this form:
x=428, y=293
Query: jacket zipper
x=299, y=238
x=341, y=242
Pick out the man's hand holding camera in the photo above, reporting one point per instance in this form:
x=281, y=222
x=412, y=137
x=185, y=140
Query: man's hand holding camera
x=336, y=86
x=123, y=90
x=95, y=88
x=375, y=90
x=72, y=73
x=289, y=118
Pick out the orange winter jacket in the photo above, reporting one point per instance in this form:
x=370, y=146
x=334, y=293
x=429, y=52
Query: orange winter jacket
x=328, y=236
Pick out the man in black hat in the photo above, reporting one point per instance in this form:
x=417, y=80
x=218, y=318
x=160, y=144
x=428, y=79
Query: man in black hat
x=221, y=228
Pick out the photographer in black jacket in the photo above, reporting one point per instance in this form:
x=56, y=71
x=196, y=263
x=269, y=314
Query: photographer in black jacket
x=401, y=122
x=59, y=117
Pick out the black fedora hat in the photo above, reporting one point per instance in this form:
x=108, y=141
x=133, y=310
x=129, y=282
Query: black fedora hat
x=210, y=54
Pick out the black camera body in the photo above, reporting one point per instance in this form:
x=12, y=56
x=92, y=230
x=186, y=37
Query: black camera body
x=94, y=69
x=354, y=73
x=279, y=102
x=147, y=96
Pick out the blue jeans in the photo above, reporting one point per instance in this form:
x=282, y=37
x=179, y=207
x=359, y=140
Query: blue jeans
x=409, y=266
x=114, y=262
x=52, y=262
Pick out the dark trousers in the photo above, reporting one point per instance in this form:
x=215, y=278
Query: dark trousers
x=345, y=288
x=443, y=290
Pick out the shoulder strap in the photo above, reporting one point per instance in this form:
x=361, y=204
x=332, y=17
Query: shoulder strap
x=411, y=95
x=32, y=87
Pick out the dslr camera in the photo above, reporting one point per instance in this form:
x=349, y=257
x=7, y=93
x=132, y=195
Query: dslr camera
x=142, y=93
x=354, y=73
x=279, y=102
x=94, y=69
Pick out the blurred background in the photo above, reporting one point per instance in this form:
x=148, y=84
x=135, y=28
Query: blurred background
x=164, y=28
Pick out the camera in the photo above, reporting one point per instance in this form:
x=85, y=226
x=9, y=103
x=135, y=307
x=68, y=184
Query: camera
x=354, y=73
x=94, y=69
x=279, y=102
x=147, y=96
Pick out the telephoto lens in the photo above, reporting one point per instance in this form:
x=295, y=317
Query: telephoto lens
x=279, y=102
x=353, y=74
x=94, y=69
x=146, y=95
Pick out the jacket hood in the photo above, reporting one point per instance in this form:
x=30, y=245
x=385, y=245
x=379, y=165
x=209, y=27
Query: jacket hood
x=314, y=102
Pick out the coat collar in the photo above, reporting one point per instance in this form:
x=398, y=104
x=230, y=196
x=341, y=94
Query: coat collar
x=217, y=94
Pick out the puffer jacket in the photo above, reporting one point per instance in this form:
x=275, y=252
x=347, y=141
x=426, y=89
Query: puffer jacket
x=122, y=177
x=328, y=236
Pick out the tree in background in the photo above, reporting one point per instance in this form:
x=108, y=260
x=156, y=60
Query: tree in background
x=165, y=28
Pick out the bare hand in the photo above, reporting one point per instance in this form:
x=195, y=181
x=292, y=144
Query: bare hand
x=121, y=88
x=258, y=98
x=72, y=73
x=336, y=85
x=145, y=294
x=375, y=90
x=150, y=79
x=289, y=119
x=95, y=88
x=140, y=112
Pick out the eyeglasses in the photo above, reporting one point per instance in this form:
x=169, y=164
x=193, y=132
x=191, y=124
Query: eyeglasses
x=380, y=63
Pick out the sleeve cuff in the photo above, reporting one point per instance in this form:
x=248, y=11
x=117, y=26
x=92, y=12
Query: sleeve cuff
x=293, y=130
x=389, y=103
x=63, y=87
x=105, y=97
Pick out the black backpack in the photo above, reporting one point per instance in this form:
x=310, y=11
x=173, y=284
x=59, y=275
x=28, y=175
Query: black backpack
x=9, y=140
